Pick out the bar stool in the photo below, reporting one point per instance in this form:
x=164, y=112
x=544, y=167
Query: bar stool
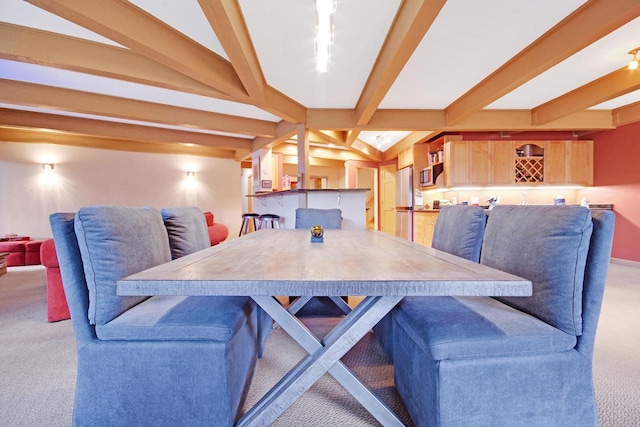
x=246, y=219
x=269, y=219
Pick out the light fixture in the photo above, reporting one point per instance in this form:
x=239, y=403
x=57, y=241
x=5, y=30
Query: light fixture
x=47, y=166
x=324, y=33
x=634, y=62
x=191, y=174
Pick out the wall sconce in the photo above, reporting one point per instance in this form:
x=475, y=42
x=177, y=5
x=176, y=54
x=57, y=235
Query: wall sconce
x=48, y=167
x=191, y=174
x=324, y=33
x=634, y=61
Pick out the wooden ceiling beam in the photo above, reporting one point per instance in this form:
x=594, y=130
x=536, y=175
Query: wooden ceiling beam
x=589, y=23
x=433, y=120
x=627, y=114
x=130, y=26
x=40, y=96
x=69, y=53
x=611, y=86
x=10, y=134
x=227, y=21
x=109, y=129
x=284, y=131
x=411, y=23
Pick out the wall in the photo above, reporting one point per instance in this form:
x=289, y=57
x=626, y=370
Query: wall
x=617, y=180
x=86, y=176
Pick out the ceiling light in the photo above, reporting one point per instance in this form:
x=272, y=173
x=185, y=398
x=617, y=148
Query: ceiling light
x=324, y=33
x=634, y=62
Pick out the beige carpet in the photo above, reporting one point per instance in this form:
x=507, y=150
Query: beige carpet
x=37, y=362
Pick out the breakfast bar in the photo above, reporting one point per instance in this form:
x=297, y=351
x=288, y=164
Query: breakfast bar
x=373, y=264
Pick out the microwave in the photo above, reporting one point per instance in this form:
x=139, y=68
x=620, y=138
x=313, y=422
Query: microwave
x=426, y=177
x=429, y=175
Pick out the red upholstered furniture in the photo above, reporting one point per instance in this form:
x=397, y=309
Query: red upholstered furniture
x=22, y=252
x=57, y=308
x=217, y=232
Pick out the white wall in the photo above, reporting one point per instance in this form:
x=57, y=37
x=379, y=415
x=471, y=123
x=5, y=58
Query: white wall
x=87, y=176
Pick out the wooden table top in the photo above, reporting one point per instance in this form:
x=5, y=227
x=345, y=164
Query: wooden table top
x=348, y=262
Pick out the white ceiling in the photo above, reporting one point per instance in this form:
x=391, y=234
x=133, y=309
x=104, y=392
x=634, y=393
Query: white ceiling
x=468, y=41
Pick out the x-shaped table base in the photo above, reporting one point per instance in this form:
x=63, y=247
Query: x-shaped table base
x=322, y=358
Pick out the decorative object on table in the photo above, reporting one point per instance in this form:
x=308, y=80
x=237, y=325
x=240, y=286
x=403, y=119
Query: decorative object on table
x=317, y=234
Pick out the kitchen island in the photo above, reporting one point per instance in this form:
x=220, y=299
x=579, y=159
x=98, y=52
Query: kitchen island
x=352, y=202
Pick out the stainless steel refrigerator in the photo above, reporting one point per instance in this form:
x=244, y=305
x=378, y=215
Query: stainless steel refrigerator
x=404, y=203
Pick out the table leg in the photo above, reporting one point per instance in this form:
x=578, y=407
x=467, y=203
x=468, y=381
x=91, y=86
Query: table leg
x=322, y=359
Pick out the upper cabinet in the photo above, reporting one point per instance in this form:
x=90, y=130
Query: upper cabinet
x=569, y=162
x=500, y=163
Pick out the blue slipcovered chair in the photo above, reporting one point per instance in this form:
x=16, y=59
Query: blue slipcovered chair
x=329, y=219
x=187, y=230
x=159, y=360
x=458, y=230
x=485, y=361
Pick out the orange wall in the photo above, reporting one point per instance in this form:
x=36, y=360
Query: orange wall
x=616, y=177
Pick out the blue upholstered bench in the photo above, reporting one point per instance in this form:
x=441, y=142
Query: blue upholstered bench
x=519, y=360
x=166, y=360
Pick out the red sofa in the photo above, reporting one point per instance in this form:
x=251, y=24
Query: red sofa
x=217, y=232
x=57, y=308
x=22, y=252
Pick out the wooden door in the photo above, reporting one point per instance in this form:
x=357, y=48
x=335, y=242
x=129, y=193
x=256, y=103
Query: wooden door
x=388, y=199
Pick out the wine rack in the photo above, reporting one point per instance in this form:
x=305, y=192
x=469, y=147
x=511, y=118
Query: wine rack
x=529, y=169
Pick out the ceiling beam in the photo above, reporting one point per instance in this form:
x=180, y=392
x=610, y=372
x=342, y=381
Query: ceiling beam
x=284, y=131
x=433, y=120
x=589, y=23
x=109, y=129
x=611, y=86
x=10, y=134
x=130, y=26
x=411, y=23
x=627, y=114
x=69, y=53
x=40, y=96
x=227, y=21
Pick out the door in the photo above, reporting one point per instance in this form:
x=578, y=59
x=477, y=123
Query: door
x=388, y=199
x=366, y=178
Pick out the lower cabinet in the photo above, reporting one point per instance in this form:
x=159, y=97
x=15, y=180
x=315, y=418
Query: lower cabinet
x=423, y=224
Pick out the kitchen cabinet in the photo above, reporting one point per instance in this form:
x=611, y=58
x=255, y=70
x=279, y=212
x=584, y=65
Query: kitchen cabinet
x=423, y=225
x=478, y=163
x=405, y=158
x=457, y=163
x=569, y=162
x=486, y=163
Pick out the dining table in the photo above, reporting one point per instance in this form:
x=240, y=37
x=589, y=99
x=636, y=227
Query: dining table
x=372, y=264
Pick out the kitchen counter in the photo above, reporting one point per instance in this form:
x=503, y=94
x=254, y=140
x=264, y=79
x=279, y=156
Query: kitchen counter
x=352, y=202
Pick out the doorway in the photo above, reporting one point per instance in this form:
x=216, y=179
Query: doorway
x=388, y=199
x=367, y=178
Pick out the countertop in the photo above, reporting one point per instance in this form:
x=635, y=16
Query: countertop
x=306, y=190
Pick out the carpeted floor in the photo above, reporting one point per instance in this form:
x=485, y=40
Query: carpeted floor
x=37, y=362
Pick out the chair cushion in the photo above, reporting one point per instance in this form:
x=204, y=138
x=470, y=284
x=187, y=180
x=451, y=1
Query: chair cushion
x=547, y=245
x=329, y=219
x=116, y=242
x=187, y=229
x=471, y=327
x=459, y=230
x=180, y=318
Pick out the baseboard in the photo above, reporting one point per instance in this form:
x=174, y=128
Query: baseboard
x=626, y=262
